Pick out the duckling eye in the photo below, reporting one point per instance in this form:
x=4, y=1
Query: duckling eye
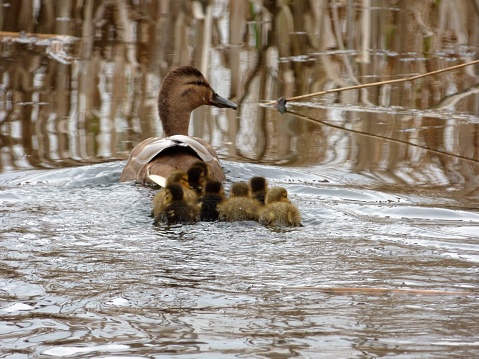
x=199, y=82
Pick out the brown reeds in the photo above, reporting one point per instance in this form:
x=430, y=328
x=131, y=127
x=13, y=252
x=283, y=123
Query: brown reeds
x=282, y=101
x=94, y=98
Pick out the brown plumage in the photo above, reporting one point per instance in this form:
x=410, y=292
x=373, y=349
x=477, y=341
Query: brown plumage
x=259, y=188
x=175, y=177
x=278, y=210
x=176, y=210
x=183, y=90
x=239, y=206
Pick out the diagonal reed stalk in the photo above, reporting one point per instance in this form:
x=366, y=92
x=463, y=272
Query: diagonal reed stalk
x=372, y=84
x=432, y=150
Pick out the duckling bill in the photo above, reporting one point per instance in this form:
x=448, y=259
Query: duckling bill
x=183, y=90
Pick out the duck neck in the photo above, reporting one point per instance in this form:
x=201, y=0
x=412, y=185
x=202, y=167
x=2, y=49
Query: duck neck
x=175, y=119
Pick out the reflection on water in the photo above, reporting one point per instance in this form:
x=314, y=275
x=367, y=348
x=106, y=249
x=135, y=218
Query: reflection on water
x=91, y=96
x=386, y=179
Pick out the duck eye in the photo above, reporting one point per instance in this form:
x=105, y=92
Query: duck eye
x=199, y=82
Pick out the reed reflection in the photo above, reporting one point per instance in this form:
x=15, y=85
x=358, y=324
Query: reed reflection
x=91, y=95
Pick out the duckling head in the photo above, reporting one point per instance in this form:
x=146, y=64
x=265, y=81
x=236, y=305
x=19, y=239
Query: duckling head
x=178, y=177
x=205, y=167
x=173, y=192
x=239, y=189
x=196, y=177
x=258, y=184
x=277, y=194
x=214, y=187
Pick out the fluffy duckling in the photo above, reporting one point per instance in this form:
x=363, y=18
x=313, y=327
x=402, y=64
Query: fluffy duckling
x=239, y=206
x=205, y=167
x=197, y=179
x=259, y=188
x=278, y=210
x=214, y=195
x=182, y=90
x=176, y=210
x=175, y=177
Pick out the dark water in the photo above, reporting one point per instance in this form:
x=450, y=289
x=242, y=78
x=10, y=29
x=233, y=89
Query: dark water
x=386, y=179
x=85, y=274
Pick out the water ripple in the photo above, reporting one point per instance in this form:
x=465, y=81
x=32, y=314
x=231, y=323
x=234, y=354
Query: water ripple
x=85, y=273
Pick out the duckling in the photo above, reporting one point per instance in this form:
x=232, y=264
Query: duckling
x=206, y=168
x=182, y=90
x=279, y=211
x=175, y=209
x=175, y=177
x=214, y=194
x=197, y=179
x=239, y=206
x=259, y=187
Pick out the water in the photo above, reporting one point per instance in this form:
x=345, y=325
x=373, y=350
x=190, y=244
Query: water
x=86, y=274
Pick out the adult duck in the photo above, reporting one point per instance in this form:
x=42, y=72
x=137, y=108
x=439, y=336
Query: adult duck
x=182, y=90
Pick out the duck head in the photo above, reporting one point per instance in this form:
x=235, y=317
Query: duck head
x=183, y=90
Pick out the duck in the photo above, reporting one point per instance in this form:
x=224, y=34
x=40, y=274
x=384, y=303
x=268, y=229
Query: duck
x=259, y=188
x=214, y=195
x=176, y=210
x=239, y=206
x=197, y=178
x=152, y=160
x=175, y=177
x=205, y=167
x=278, y=209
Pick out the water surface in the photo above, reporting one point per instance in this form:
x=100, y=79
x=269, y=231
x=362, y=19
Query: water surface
x=85, y=273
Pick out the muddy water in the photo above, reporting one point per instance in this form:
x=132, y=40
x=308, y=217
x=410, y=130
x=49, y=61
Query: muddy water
x=85, y=274
x=386, y=179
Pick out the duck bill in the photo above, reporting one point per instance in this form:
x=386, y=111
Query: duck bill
x=218, y=101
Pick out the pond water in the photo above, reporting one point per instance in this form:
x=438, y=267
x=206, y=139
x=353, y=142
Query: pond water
x=386, y=179
x=84, y=272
